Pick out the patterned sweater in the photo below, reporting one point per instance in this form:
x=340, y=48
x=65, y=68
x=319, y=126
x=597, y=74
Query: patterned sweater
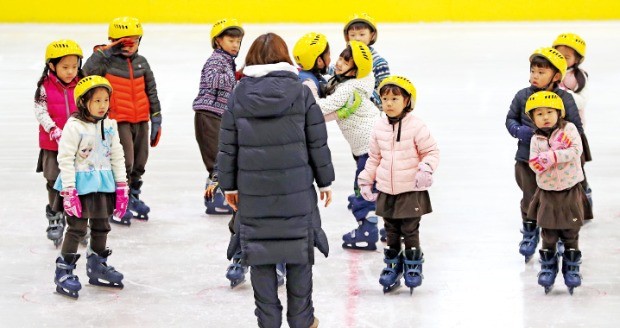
x=566, y=172
x=216, y=83
x=357, y=127
x=381, y=70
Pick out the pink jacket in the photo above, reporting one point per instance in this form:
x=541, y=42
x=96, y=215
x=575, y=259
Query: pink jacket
x=566, y=172
x=394, y=164
x=57, y=105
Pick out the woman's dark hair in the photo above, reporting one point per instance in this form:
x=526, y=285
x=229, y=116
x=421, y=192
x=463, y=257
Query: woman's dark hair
x=543, y=62
x=268, y=48
x=54, y=61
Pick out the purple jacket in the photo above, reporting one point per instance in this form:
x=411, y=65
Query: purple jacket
x=216, y=83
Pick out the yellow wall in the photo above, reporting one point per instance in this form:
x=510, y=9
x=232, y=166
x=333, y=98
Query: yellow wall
x=291, y=11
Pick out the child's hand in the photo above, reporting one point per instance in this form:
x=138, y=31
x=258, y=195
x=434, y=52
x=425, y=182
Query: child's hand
x=71, y=202
x=352, y=104
x=367, y=193
x=55, y=134
x=210, y=190
x=122, y=199
x=524, y=133
x=543, y=162
x=424, y=176
x=155, y=129
x=562, y=141
x=232, y=200
x=327, y=195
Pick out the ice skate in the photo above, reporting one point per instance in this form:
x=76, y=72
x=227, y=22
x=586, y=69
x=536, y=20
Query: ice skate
x=136, y=206
x=571, y=260
x=413, y=259
x=216, y=204
x=548, y=269
x=531, y=235
x=364, y=237
x=350, y=199
x=391, y=274
x=281, y=272
x=67, y=283
x=560, y=247
x=125, y=220
x=382, y=235
x=55, y=225
x=98, y=271
x=236, y=271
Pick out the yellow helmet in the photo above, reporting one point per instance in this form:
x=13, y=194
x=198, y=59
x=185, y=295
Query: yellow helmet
x=546, y=99
x=90, y=82
x=402, y=82
x=121, y=27
x=573, y=41
x=308, y=49
x=362, y=58
x=222, y=25
x=361, y=18
x=554, y=56
x=61, y=48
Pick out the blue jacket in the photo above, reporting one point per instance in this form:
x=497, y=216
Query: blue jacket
x=517, y=119
x=273, y=147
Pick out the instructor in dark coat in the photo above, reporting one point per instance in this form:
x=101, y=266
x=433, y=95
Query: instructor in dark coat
x=273, y=147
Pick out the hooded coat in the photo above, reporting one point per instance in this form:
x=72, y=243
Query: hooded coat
x=273, y=147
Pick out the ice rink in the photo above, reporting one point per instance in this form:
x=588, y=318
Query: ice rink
x=174, y=265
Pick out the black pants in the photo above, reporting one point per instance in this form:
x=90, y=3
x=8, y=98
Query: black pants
x=207, y=130
x=409, y=229
x=135, y=141
x=526, y=179
x=76, y=231
x=298, y=292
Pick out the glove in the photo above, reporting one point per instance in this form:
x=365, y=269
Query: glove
x=71, y=202
x=562, y=141
x=543, y=162
x=352, y=104
x=424, y=176
x=122, y=199
x=155, y=128
x=238, y=75
x=55, y=134
x=116, y=46
x=524, y=133
x=367, y=193
x=210, y=191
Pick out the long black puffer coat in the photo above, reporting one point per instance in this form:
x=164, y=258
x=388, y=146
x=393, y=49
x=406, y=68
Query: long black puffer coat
x=273, y=147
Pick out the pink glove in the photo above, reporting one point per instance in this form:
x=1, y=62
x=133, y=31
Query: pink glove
x=562, y=141
x=367, y=193
x=122, y=199
x=544, y=161
x=424, y=177
x=71, y=202
x=55, y=134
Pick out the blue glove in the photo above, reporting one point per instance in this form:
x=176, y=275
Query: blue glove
x=524, y=133
x=155, y=129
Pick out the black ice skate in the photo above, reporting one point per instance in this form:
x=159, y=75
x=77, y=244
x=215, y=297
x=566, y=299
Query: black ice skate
x=67, y=283
x=56, y=225
x=98, y=271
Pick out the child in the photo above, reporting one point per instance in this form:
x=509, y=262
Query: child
x=216, y=84
x=53, y=103
x=90, y=196
x=363, y=28
x=353, y=75
x=547, y=68
x=557, y=204
x=311, y=53
x=273, y=147
x=133, y=103
x=403, y=157
x=573, y=48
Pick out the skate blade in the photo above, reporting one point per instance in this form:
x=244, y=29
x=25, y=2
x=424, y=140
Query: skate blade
x=141, y=217
x=103, y=283
x=121, y=222
x=362, y=246
x=388, y=289
x=235, y=283
x=67, y=293
x=57, y=242
x=548, y=289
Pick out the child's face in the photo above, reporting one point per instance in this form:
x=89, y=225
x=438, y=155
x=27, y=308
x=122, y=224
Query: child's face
x=230, y=44
x=361, y=34
x=343, y=65
x=67, y=68
x=99, y=103
x=545, y=117
x=324, y=61
x=130, y=50
x=569, y=53
x=543, y=76
x=393, y=105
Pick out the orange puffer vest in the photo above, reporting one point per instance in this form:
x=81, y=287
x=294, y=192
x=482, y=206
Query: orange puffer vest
x=129, y=101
